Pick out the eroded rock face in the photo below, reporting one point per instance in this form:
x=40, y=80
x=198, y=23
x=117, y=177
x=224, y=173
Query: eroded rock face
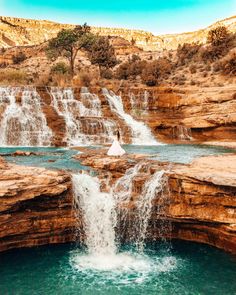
x=173, y=114
x=18, y=31
x=201, y=200
x=186, y=114
x=35, y=207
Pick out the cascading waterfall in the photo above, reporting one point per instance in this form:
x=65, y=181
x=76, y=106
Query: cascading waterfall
x=183, y=133
x=23, y=123
x=153, y=187
x=141, y=134
x=82, y=116
x=139, y=104
x=100, y=215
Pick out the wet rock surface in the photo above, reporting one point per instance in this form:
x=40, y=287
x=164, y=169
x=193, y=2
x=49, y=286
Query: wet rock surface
x=37, y=204
x=35, y=207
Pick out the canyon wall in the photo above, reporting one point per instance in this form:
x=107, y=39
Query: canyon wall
x=37, y=205
x=35, y=208
x=173, y=114
x=21, y=32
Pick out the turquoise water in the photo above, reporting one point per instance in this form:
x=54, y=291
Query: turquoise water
x=53, y=158
x=62, y=158
x=187, y=268
x=177, y=153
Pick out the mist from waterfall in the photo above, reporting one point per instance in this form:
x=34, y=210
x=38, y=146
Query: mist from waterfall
x=23, y=122
x=85, y=123
x=141, y=134
x=100, y=213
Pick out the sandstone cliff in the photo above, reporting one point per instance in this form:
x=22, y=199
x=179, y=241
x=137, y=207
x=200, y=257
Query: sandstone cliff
x=200, y=197
x=20, y=32
x=35, y=207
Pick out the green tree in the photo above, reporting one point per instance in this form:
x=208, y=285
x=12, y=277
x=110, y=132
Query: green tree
x=103, y=53
x=68, y=42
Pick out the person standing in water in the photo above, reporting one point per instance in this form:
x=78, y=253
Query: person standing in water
x=116, y=149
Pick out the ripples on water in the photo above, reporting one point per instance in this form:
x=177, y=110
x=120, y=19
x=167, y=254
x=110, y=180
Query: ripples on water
x=187, y=268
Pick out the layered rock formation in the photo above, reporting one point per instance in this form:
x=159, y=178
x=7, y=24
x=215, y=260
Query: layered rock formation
x=173, y=114
x=190, y=114
x=35, y=207
x=20, y=32
x=201, y=197
x=203, y=202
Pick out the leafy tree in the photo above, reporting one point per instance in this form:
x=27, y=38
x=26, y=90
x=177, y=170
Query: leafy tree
x=217, y=36
x=103, y=53
x=68, y=42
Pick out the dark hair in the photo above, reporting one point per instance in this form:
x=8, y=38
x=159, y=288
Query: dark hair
x=118, y=134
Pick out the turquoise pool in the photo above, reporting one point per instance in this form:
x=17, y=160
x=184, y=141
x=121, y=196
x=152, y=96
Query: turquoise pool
x=62, y=158
x=185, y=269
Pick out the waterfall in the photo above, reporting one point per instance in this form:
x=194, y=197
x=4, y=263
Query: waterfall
x=141, y=134
x=152, y=187
x=23, y=122
x=99, y=214
x=182, y=132
x=123, y=192
x=84, y=121
x=139, y=104
x=100, y=218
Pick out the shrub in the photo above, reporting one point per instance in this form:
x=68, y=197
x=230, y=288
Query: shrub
x=156, y=70
x=102, y=53
x=85, y=79
x=106, y=73
x=13, y=76
x=193, y=69
x=217, y=35
x=130, y=69
x=135, y=58
x=228, y=65
x=60, y=68
x=179, y=80
x=186, y=52
x=19, y=58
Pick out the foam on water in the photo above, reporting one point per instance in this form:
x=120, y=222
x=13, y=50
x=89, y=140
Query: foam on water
x=99, y=211
x=141, y=134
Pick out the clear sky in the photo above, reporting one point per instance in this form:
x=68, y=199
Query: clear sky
x=156, y=16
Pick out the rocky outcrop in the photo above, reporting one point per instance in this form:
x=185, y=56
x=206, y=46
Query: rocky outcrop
x=20, y=32
x=196, y=114
x=203, y=202
x=174, y=114
x=35, y=207
x=201, y=196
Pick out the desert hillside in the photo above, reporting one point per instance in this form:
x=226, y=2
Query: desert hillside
x=20, y=32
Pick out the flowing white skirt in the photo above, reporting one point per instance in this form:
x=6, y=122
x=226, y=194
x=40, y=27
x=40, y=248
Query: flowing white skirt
x=115, y=149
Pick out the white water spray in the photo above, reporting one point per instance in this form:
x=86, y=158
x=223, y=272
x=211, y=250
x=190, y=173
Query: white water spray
x=100, y=219
x=151, y=189
x=23, y=123
x=140, y=132
x=84, y=121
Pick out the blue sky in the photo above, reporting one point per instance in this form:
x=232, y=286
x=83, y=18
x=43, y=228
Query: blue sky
x=158, y=17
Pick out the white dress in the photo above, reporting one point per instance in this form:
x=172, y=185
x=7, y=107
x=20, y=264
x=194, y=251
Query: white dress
x=115, y=149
